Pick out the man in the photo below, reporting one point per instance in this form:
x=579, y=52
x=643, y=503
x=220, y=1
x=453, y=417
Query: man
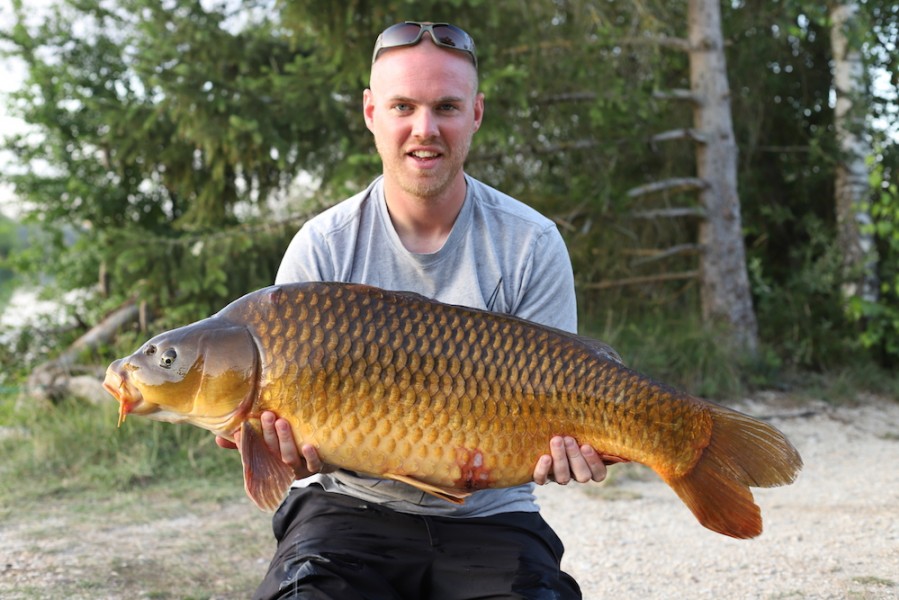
x=425, y=226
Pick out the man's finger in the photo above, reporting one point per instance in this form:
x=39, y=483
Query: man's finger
x=287, y=446
x=541, y=470
x=311, y=460
x=577, y=463
x=594, y=463
x=561, y=469
x=269, y=434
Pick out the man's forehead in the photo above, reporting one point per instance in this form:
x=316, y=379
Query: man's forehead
x=423, y=62
x=429, y=99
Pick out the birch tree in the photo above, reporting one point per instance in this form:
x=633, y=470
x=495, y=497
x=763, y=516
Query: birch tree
x=854, y=232
x=724, y=281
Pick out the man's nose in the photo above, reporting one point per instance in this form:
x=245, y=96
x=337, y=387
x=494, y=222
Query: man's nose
x=425, y=124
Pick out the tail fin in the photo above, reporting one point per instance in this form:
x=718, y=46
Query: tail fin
x=742, y=452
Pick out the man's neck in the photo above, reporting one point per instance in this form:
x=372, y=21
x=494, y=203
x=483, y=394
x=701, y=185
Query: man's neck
x=424, y=224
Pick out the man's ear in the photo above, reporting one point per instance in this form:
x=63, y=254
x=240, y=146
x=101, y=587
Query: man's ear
x=368, y=107
x=478, y=110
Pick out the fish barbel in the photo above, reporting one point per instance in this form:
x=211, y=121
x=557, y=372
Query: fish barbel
x=448, y=399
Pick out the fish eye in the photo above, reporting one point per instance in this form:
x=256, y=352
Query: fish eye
x=168, y=358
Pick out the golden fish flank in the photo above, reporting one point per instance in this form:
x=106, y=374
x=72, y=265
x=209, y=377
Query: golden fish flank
x=444, y=398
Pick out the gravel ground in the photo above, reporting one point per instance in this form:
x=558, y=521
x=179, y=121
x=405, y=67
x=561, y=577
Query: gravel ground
x=834, y=534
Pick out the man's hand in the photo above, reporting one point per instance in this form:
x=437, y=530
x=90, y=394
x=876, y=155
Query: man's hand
x=567, y=461
x=278, y=437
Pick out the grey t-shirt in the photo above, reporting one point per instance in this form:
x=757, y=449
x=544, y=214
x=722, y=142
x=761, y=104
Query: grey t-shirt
x=501, y=255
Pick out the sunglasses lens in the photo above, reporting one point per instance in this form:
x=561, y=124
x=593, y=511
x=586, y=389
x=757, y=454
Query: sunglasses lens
x=449, y=35
x=400, y=35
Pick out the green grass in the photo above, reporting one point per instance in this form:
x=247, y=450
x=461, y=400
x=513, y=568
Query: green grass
x=684, y=353
x=837, y=385
x=74, y=449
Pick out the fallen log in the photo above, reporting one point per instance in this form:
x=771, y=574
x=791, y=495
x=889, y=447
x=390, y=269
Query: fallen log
x=62, y=376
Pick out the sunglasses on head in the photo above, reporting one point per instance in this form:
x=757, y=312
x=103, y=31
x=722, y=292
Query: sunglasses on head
x=410, y=33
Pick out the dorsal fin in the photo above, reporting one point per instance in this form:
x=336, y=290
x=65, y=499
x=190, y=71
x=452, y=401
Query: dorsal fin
x=601, y=348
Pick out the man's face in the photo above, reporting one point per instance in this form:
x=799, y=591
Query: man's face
x=423, y=109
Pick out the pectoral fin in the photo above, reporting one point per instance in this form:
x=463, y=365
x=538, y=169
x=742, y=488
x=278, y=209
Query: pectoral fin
x=266, y=477
x=448, y=494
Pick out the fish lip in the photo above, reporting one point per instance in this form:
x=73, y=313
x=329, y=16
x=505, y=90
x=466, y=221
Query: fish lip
x=113, y=388
x=118, y=384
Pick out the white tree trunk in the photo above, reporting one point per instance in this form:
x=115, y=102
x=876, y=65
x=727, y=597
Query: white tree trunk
x=851, y=187
x=726, y=296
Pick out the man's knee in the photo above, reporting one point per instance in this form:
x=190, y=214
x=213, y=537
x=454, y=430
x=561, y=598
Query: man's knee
x=312, y=576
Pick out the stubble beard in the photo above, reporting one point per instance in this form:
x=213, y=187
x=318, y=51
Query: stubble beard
x=430, y=186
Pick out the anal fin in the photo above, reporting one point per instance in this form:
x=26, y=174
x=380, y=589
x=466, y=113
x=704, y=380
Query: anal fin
x=448, y=494
x=266, y=477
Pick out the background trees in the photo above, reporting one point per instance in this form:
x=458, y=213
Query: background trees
x=172, y=139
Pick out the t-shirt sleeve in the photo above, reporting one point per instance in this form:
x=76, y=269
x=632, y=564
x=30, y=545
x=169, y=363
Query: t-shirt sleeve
x=306, y=259
x=547, y=295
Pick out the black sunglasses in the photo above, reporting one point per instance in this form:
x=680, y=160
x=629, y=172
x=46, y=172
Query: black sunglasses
x=410, y=33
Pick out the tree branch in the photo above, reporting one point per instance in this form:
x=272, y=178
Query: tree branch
x=680, y=134
x=680, y=95
x=665, y=41
x=603, y=285
x=676, y=184
x=567, y=97
x=668, y=213
x=653, y=255
x=50, y=380
x=585, y=144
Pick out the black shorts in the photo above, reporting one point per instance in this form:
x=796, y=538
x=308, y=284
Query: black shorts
x=335, y=546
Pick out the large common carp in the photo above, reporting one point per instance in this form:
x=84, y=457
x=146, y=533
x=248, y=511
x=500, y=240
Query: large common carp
x=447, y=399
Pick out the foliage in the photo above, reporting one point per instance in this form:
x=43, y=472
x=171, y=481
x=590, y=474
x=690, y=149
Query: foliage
x=169, y=138
x=784, y=121
x=9, y=242
x=881, y=318
x=153, y=128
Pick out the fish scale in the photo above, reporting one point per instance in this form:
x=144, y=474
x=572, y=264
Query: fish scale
x=444, y=398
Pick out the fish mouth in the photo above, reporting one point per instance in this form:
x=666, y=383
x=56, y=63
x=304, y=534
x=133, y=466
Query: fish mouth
x=119, y=385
